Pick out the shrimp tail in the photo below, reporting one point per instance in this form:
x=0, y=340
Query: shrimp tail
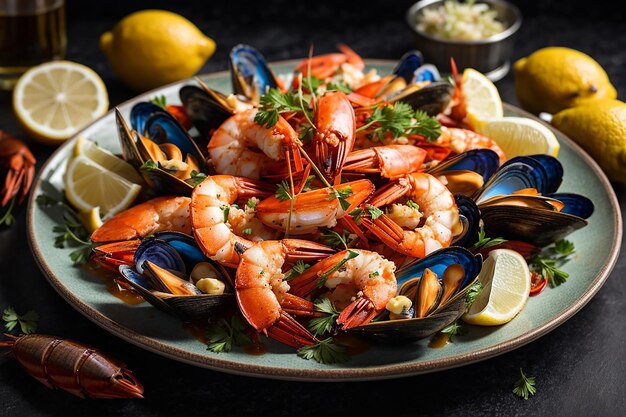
x=298, y=306
x=391, y=234
x=305, y=250
x=390, y=192
x=290, y=332
x=359, y=312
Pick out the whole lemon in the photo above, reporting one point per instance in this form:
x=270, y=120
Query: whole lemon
x=150, y=48
x=600, y=129
x=555, y=78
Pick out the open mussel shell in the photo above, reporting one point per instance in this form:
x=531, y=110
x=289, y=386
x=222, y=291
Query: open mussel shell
x=141, y=112
x=432, y=98
x=205, y=111
x=188, y=308
x=160, y=253
x=251, y=75
x=469, y=215
x=574, y=204
x=408, y=330
x=128, y=141
x=519, y=173
x=529, y=224
x=484, y=162
x=427, y=72
x=408, y=64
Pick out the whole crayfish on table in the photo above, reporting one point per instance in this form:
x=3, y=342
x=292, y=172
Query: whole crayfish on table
x=74, y=367
x=347, y=186
x=17, y=164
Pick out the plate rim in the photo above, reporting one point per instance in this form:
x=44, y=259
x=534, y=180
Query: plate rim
x=345, y=374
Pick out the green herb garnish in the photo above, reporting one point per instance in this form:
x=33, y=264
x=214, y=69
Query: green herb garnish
x=334, y=239
x=454, y=329
x=400, y=119
x=299, y=267
x=27, y=321
x=160, y=101
x=321, y=325
x=374, y=211
x=195, y=178
x=484, y=241
x=7, y=218
x=525, y=386
x=473, y=292
x=222, y=335
x=72, y=232
x=413, y=204
x=547, y=263
x=325, y=352
x=322, y=278
x=275, y=102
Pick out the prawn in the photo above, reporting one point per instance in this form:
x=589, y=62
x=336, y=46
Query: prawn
x=263, y=293
x=436, y=205
x=210, y=216
x=363, y=278
x=461, y=140
x=335, y=133
x=158, y=214
x=313, y=209
x=390, y=161
x=327, y=65
x=242, y=147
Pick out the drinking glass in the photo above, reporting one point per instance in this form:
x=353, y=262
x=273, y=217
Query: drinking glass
x=31, y=32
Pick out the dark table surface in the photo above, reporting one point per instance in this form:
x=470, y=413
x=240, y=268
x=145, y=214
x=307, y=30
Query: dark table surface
x=580, y=366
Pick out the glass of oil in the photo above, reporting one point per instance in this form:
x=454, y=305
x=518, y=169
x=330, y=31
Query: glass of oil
x=31, y=32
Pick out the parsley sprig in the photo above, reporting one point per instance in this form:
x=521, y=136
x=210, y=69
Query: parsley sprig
x=454, y=329
x=400, y=119
x=195, y=178
x=473, y=292
x=525, y=386
x=325, y=324
x=334, y=239
x=160, y=101
x=27, y=321
x=7, y=218
x=322, y=278
x=484, y=241
x=299, y=267
x=548, y=262
x=72, y=232
x=325, y=352
x=222, y=335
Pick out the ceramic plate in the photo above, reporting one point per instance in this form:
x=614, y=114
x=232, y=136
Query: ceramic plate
x=597, y=248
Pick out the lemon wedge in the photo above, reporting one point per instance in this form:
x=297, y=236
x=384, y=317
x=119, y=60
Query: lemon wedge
x=521, y=136
x=506, y=286
x=89, y=185
x=53, y=101
x=106, y=159
x=91, y=219
x=481, y=97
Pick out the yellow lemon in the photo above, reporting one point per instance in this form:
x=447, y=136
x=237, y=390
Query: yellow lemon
x=481, y=96
x=600, y=129
x=555, y=78
x=150, y=48
x=53, y=101
x=506, y=286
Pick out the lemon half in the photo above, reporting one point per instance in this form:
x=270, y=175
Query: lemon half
x=481, y=97
x=106, y=159
x=89, y=185
x=53, y=101
x=506, y=280
x=521, y=136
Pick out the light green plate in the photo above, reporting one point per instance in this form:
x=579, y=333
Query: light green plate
x=597, y=248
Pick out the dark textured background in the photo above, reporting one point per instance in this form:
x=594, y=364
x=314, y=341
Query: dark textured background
x=580, y=366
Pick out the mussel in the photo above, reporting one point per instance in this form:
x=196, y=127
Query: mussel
x=520, y=202
x=468, y=171
x=160, y=148
x=251, y=75
x=437, y=286
x=207, y=109
x=171, y=273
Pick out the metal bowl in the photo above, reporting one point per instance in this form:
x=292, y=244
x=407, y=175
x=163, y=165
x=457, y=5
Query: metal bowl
x=490, y=56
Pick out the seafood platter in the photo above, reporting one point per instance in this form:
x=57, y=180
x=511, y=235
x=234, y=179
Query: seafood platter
x=319, y=219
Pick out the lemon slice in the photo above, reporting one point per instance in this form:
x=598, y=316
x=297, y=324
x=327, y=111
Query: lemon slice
x=506, y=280
x=481, y=97
x=91, y=219
x=521, y=136
x=53, y=101
x=106, y=159
x=89, y=185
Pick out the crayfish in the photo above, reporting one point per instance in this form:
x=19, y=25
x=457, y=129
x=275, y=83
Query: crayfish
x=19, y=163
x=74, y=367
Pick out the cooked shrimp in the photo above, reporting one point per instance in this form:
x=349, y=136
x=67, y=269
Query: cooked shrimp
x=210, y=216
x=262, y=292
x=461, y=140
x=313, y=209
x=327, y=65
x=365, y=278
x=390, y=161
x=437, y=205
x=335, y=133
x=242, y=147
x=161, y=213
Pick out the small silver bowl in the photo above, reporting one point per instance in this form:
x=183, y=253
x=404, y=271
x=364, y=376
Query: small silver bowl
x=490, y=56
